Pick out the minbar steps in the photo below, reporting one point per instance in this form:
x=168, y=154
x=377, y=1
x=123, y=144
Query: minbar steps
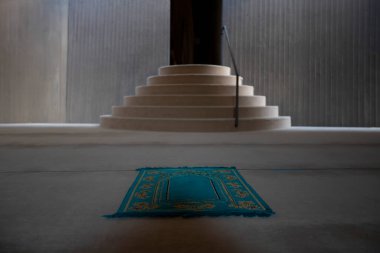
x=194, y=98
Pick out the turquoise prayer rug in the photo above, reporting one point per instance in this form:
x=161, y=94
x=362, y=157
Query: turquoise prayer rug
x=191, y=191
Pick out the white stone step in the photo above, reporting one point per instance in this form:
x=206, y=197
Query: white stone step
x=194, y=79
x=193, y=100
x=193, y=112
x=194, y=69
x=244, y=90
x=194, y=125
x=199, y=98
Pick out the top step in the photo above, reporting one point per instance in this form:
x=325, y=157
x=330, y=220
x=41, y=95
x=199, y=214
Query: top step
x=194, y=69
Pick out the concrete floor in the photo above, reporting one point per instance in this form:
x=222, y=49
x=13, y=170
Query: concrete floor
x=316, y=211
x=53, y=196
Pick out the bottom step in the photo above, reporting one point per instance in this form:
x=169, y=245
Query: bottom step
x=194, y=125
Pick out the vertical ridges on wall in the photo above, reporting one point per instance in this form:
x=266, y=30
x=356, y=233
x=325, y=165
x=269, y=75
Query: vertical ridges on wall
x=113, y=46
x=317, y=60
x=33, y=37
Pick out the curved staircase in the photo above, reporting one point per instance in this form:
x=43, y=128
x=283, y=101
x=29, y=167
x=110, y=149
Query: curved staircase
x=194, y=98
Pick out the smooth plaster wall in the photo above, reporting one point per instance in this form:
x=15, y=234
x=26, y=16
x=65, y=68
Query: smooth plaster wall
x=33, y=44
x=113, y=47
x=318, y=60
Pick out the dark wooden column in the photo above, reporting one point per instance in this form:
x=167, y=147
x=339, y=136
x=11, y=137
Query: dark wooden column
x=195, y=27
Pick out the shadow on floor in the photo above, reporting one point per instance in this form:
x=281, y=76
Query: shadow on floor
x=203, y=234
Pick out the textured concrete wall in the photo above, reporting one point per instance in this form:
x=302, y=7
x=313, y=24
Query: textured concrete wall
x=113, y=47
x=33, y=38
x=317, y=60
x=110, y=47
